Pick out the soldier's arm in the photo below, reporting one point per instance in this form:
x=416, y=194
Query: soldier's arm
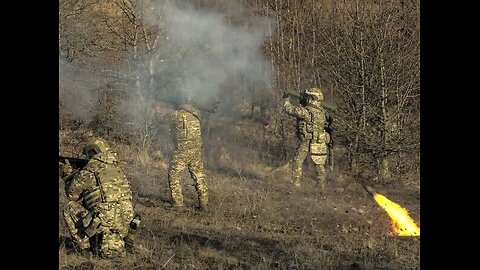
x=296, y=111
x=78, y=184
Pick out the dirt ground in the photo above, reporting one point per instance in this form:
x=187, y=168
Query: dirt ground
x=258, y=220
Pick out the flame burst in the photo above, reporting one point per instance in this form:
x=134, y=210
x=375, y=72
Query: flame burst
x=402, y=224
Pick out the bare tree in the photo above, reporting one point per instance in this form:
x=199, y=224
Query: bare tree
x=372, y=58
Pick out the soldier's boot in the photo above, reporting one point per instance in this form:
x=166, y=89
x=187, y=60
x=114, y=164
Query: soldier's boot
x=202, y=190
x=177, y=199
x=84, y=247
x=132, y=247
x=296, y=176
x=321, y=184
x=178, y=203
x=321, y=180
x=129, y=243
x=83, y=243
x=320, y=176
x=203, y=202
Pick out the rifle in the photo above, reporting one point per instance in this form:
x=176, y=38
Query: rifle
x=302, y=99
x=76, y=163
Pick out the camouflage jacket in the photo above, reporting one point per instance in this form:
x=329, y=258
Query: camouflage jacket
x=186, y=127
x=100, y=181
x=310, y=121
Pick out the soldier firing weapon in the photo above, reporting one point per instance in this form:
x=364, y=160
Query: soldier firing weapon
x=330, y=108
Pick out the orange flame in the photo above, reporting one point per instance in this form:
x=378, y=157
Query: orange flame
x=402, y=224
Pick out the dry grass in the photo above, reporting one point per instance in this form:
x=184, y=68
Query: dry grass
x=256, y=220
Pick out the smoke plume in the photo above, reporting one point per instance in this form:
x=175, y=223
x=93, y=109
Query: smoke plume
x=212, y=54
x=203, y=50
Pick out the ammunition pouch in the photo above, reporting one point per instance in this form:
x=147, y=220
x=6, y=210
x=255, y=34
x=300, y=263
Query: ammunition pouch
x=87, y=219
x=302, y=131
x=91, y=224
x=309, y=127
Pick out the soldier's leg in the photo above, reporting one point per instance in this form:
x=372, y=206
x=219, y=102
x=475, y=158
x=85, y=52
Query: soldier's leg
x=195, y=167
x=112, y=244
x=129, y=228
x=73, y=214
x=177, y=166
x=112, y=229
x=298, y=160
x=320, y=173
x=128, y=233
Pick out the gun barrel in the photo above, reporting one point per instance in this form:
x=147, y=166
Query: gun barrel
x=75, y=162
x=325, y=105
x=294, y=93
x=328, y=106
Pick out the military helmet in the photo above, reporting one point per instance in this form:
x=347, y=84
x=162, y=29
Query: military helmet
x=315, y=93
x=95, y=146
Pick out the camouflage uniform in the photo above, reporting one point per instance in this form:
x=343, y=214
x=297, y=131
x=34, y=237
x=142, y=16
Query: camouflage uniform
x=100, y=205
x=311, y=120
x=188, y=154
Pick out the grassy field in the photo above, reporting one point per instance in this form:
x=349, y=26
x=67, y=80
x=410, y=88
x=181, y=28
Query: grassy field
x=257, y=220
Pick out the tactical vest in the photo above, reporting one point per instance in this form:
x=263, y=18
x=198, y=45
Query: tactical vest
x=111, y=183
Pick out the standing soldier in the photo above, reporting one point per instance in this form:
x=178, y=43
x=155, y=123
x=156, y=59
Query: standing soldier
x=188, y=153
x=311, y=119
x=100, y=205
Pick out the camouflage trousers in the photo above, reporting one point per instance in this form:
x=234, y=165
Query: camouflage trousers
x=73, y=214
x=318, y=160
x=106, y=226
x=191, y=159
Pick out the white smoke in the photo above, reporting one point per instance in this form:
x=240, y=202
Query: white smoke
x=76, y=92
x=201, y=52
x=204, y=49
